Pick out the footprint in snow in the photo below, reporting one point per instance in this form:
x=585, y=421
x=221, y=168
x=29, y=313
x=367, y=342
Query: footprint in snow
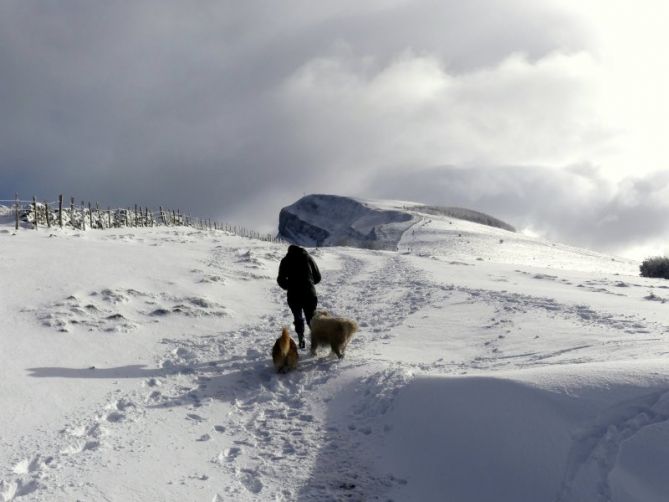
x=156, y=395
x=30, y=466
x=153, y=382
x=194, y=417
x=115, y=417
x=228, y=455
x=80, y=447
x=250, y=480
x=9, y=490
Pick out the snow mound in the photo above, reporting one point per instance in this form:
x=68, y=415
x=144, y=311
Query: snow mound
x=529, y=441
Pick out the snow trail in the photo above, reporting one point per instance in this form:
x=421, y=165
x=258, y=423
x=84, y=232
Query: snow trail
x=276, y=422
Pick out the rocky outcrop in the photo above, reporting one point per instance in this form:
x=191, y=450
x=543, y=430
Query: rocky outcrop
x=331, y=220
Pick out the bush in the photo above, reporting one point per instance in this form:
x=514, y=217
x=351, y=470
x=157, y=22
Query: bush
x=657, y=266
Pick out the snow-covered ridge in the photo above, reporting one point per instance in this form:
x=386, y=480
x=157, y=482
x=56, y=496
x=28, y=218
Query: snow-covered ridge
x=450, y=234
x=461, y=213
x=333, y=220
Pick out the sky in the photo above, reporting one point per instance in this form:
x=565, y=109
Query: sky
x=551, y=115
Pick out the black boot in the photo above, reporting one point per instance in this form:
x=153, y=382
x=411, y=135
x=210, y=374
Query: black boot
x=301, y=341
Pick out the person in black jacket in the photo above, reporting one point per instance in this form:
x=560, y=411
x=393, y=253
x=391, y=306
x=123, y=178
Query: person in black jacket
x=298, y=273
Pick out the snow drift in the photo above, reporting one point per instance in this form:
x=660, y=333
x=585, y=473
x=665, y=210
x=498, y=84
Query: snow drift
x=504, y=439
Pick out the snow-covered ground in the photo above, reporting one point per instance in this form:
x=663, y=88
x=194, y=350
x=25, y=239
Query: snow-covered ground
x=489, y=367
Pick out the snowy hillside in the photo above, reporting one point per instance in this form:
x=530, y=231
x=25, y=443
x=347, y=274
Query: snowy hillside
x=489, y=366
x=334, y=220
x=410, y=227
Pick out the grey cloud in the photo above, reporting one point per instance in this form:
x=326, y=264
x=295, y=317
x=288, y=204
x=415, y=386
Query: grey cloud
x=166, y=102
x=577, y=205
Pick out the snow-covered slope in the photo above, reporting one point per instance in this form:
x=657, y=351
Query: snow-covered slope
x=334, y=220
x=410, y=227
x=136, y=366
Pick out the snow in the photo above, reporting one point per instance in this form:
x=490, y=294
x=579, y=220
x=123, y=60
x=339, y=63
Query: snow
x=136, y=366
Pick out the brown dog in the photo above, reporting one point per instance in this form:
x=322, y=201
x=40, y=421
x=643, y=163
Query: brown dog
x=284, y=353
x=333, y=331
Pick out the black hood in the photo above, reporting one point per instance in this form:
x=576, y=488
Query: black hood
x=296, y=250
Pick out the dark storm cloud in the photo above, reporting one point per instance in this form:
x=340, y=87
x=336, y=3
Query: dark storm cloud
x=176, y=103
x=234, y=109
x=577, y=205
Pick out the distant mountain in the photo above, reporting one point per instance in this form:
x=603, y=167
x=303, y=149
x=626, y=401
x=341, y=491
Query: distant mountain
x=331, y=220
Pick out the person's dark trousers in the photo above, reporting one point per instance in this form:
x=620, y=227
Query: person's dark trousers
x=299, y=304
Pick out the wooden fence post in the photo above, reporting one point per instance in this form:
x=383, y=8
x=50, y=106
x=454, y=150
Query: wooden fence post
x=72, y=211
x=83, y=215
x=90, y=216
x=48, y=216
x=16, y=209
x=35, y=210
x=60, y=210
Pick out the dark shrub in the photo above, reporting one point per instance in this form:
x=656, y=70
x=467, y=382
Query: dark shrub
x=658, y=266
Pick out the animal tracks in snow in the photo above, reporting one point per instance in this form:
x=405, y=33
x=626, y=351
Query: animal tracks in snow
x=515, y=304
x=72, y=447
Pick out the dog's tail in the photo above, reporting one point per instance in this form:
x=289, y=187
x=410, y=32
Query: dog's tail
x=284, y=352
x=353, y=326
x=284, y=342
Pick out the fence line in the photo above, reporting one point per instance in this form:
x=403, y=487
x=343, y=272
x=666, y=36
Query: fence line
x=88, y=216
